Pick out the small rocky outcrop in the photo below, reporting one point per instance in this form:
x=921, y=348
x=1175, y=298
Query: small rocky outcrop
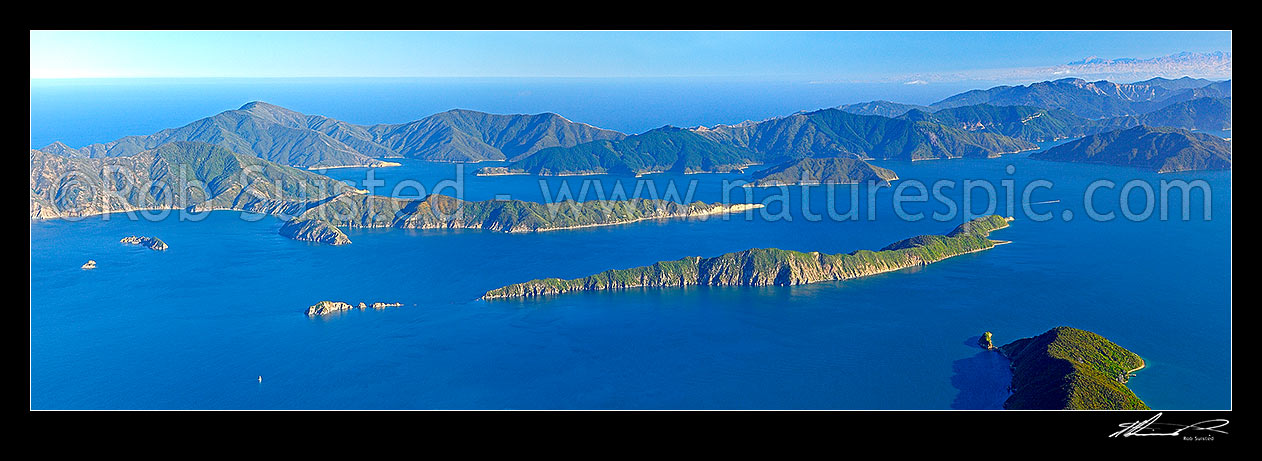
x=323, y=308
x=152, y=243
x=985, y=343
x=326, y=308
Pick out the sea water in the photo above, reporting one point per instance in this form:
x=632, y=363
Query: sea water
x=196, y=326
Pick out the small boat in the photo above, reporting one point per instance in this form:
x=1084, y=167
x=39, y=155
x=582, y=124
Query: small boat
x=260, y=379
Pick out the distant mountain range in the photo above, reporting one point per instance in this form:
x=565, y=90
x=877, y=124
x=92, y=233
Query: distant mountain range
x=1092, y=100
x=978, y=123
x=883, y=108
x=663, y=149
x=1040, y=125
x=820, y=134
x=836, y=133
x=1216, y=63
x=1089, y=100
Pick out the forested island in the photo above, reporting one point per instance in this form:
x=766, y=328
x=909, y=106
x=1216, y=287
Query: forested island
x=772, y=266
x=321, y=222
x=1071, y=369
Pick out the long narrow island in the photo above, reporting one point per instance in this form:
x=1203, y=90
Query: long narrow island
x=772, y=266
x=321, y=223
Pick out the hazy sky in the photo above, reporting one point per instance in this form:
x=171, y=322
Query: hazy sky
x=790, y=55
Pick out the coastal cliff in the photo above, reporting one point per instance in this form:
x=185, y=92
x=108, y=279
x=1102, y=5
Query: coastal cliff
x=772, y=266
x=152, y=243
x=1071, y=369
x=313, y=230
x=324, y=308
x=173, y=176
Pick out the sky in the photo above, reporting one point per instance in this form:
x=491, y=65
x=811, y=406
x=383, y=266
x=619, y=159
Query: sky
x=832, y=56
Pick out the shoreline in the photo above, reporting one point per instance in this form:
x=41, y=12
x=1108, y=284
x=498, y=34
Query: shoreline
x=204, y=210
x=924, y=262
x=485, y=297
x=730, y=209
x=606, y=173
x=887, y=182
x=336, y=167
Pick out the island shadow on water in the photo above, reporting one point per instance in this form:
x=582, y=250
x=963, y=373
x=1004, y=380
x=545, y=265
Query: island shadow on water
x=982, y=380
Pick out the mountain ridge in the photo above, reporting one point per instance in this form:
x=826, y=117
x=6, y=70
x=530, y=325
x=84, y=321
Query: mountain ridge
x=282, y=135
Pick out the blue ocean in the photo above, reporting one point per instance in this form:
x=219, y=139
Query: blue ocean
x=196, y=326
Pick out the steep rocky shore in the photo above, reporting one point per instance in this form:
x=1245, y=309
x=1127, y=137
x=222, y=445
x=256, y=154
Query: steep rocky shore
x=320, y=223
x=152, y=243
x=772, y=266
x=1071, y=369
x=323, y=308
x=823, y=171
x=175, y=176
x=313, y=230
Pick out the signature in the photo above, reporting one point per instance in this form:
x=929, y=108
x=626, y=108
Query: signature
x=1150, y=427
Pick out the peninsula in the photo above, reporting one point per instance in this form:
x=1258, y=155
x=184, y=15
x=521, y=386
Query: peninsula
x=1162, y=150
x=204, y=177
x=174, y=176
x=1071, y=369
x=772, y=266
